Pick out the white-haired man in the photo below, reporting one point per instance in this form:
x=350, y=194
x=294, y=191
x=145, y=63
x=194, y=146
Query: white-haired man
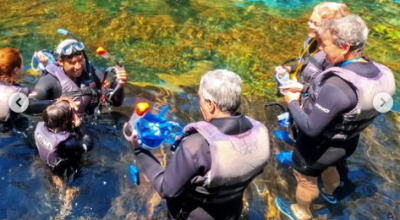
x=339, y=106
x=217, y=158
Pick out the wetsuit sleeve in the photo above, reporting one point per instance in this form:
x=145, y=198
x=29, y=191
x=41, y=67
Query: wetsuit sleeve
x=76, y=145
x=335, y=97
x=38, y=106
x=189, y=160
x=47, y=88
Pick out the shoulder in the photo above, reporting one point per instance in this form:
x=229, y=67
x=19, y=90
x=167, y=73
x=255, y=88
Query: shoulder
x=334, y=86
x=336, y=83
x=194, y=143
x=48, y=80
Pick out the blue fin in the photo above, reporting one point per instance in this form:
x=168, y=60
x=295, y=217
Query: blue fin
x=134, y=174
x=284, y=157
x=284, y=206
x=283, y=136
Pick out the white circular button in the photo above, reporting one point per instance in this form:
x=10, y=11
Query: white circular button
x=383, y=102
x=18, y=102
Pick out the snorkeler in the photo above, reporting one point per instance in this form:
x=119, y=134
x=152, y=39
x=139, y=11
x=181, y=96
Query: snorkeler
x=73, y=76
x=312, y=60
x=11, y=67
x=338, y=109
x=61, y=139
x=216, y=161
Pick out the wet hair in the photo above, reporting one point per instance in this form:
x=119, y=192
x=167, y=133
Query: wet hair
x=222, y=87
x=58, y=117
x=10, y=58
x=350, y=30
x=331, y=10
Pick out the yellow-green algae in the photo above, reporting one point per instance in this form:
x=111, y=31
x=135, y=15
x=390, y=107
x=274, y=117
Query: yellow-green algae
x=156, y=47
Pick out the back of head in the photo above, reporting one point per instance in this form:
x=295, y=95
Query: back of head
x=331, y=10
x=58, y=117
x=350, y=30
x=10, y=58
x=222, y=87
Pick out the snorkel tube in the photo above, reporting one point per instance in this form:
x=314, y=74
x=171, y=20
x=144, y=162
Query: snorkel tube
x=87, y=63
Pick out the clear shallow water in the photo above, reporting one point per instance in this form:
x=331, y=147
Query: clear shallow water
x=166, y=46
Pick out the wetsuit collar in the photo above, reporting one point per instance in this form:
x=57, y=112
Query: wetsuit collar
x=233, y=125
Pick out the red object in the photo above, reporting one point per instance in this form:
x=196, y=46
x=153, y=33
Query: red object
x=101, y=51
x=141, y=108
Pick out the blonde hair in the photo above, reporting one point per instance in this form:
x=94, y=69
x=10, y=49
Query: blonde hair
x=331, y=10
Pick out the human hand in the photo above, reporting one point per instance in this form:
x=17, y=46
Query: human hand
x=131, y=135
x=134, y=141
x=121, y=75
x=290, y=96
x=281, y=70
x=42, y=58
x=292, y=86
x=74, y=106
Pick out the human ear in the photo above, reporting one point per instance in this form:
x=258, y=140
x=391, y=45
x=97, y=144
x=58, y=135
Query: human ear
x=211, y=106
x=60, y=62
x=346, y=48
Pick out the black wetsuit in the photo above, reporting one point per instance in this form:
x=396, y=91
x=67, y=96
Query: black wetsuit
x=48, y=89
x=314, y=153
x=72, y=149
x=191, y=159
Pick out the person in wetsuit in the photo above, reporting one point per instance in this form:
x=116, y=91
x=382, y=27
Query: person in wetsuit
x=61, y=139
x=338, y=108
x=73, y=76
x=311, y=59
x=11, y=67
x=216, y=160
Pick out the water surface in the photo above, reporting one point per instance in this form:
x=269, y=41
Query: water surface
x=166, y=45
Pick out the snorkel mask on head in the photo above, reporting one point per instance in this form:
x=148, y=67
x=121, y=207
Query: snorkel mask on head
x=70, y=48
x=76, y=121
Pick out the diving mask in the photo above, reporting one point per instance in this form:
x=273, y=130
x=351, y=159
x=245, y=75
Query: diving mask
x=69, y=47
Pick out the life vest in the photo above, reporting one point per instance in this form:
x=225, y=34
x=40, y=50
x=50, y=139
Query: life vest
x=313, y=67
x=47, y=144
x=356, y=120
x=83, y=94
x=309, y=49
x=236, y=161
x=6, y=91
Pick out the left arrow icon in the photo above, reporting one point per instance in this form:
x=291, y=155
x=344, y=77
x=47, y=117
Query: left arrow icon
x=17, y=102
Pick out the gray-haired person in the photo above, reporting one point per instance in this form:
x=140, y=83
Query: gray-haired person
x=338, y=108
x=217, y=158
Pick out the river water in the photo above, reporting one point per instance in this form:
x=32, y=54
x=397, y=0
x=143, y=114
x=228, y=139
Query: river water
x=166, y=45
